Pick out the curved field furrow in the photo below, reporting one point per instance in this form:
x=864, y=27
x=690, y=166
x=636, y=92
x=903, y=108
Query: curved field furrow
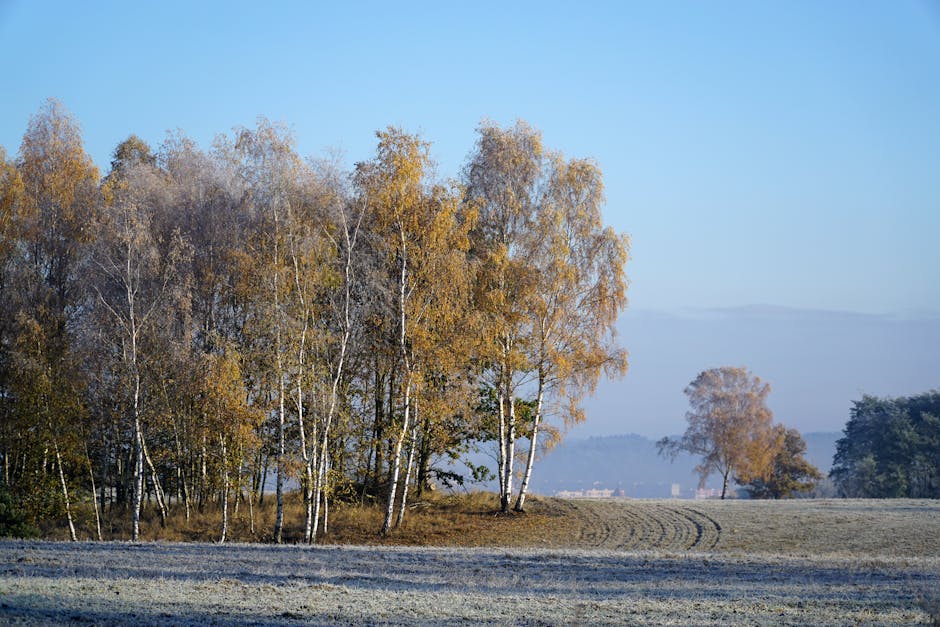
x=690, y=531
x=709, y=530
x=803, y=527
x=667, y=531
x=645, y=525
x=596, y=531
x=685, y=529
x=632, y=535
x=699, y=531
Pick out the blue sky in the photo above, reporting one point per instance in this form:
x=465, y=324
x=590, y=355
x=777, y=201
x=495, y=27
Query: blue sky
x=782, y=153
x=774, y=153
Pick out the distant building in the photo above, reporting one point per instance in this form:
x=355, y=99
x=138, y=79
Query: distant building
x=590, y=493
x=707, y=493
x=676, y=491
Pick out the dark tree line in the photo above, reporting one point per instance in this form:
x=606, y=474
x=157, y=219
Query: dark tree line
x=890, y=448
x=196, y=325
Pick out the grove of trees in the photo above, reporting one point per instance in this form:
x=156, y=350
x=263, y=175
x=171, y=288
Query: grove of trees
x=193, y=323
x=731, y=428
x=890, y=448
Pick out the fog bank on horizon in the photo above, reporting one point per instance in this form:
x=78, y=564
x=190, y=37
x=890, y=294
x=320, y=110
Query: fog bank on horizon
x=817, y=363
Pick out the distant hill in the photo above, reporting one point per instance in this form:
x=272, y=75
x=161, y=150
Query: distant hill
x=817, y=363
x=621, y=462
x=631, y=464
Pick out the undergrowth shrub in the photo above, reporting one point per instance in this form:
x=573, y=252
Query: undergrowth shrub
x=13, y=521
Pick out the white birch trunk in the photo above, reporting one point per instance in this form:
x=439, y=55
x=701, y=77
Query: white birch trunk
x=94, y=494
x=138, y=431
x=408, y=471
x=65, y=490
x=224, y=490
x=326, y=511
x=501, y=458
x=279, y=489
x=309, y=491
x=319, y=487
x=510, y=442
x=307, y=484
x=403, y=348
x=138, y=462
x=323, y=462
x=530, y=461
x=251, y=512
x=308, y=487
x=157, y=487
x=510, y=450
x=322, y=477
x=278, y=349
x=396, y=464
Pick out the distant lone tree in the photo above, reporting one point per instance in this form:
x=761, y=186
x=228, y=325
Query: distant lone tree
x=790, y=473
x=730, y=427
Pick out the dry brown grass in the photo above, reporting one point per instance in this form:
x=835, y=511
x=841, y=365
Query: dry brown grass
x=470, y=519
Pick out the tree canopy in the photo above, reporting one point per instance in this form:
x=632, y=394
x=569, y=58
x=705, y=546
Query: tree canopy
x=890, y=448
x=730, y=426
x=198, y=325
x=790, y=473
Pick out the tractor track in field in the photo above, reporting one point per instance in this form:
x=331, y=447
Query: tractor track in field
x=640, y=525
x=806, y=527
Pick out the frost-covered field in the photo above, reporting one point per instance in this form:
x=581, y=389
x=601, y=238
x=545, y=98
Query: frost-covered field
x=799, y=527
x=200, y=584
x=121, y=583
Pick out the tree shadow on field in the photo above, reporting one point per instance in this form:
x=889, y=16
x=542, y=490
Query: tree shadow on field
x=485, y=571
x=25, y=610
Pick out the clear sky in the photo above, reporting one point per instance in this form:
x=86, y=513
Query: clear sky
x=780, y=153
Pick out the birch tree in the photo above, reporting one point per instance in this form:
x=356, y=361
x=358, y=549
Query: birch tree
x=305, y=254
x=730, y=426
x=322, y=232
x=418, y=226
x=341, y=223
x=11, y=187
x=271, y=170
x=137, y=279
x=579, y=293
x=503, y=179
x=55, y=203
x=440, y=342
x=232, y=420
x=212, y=205
x=392, y=185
